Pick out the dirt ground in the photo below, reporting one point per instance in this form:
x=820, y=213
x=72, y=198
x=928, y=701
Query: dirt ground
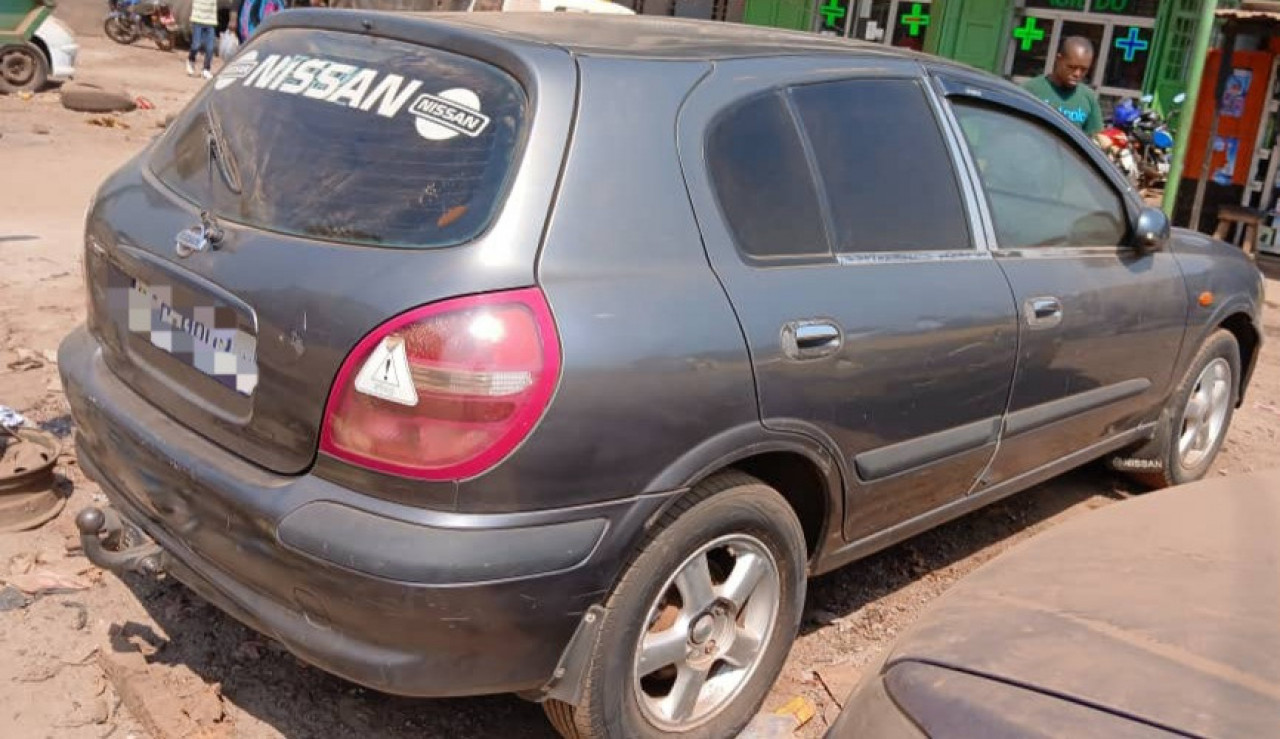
x=105, y=658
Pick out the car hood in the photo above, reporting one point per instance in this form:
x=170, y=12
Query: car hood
x=1164, y=608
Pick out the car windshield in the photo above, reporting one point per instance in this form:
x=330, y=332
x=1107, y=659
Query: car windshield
x=349, y=138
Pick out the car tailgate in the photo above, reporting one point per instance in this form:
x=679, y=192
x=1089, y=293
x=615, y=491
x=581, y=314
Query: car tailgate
x=344, y=178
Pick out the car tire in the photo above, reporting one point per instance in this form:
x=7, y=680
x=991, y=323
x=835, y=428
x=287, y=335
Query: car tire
x=23, y=68
x=1200, y=414
x=738, y=530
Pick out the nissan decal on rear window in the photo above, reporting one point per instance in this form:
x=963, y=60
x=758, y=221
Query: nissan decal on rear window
x=439, y=117
x=351, y=138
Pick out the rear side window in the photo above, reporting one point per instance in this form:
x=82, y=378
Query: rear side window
x=884, y=164
x=761, y=178
x=350, y=138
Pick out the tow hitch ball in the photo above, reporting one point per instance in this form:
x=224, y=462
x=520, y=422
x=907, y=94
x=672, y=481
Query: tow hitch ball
x=113, y=544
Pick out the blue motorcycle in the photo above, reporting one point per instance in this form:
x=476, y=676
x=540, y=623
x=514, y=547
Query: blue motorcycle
x=1150, y=138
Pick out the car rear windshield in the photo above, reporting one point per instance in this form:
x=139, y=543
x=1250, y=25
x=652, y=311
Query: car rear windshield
x=349, y=138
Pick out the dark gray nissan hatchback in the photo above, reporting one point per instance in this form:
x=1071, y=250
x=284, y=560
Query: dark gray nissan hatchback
x=550, y=354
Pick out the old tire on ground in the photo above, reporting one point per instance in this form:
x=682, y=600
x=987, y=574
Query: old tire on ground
x=86, y=97
x=23, y=68
x=1200, y=413
x=701, y=621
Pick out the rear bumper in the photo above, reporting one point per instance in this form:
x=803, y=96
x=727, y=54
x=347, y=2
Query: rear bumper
x=397, y=598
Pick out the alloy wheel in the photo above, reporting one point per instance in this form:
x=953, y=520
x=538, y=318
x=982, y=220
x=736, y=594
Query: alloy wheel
x=706, y=632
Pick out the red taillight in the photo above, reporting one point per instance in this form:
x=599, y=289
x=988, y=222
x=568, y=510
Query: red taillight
x=480, y=372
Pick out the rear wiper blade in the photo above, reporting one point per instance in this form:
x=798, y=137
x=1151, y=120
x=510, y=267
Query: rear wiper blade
x=220, y=154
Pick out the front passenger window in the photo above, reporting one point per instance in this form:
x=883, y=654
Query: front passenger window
x=1042, y=191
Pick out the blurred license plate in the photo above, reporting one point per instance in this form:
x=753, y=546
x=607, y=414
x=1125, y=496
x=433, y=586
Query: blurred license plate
x=194, y=329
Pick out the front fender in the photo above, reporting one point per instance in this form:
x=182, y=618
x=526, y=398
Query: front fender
x=1223, y=275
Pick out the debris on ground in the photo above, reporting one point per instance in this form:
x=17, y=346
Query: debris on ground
x=47, y=582
x=11, y=419
x=769, y=726
x=11, y=599
x=1268, y=407
x=143, y=103
x=799, y=709
x=27, y=360
x=839, y=680
x=80, y=614
x=21, y=563
x=170, y=702
x=106, y=121
x=823, y=617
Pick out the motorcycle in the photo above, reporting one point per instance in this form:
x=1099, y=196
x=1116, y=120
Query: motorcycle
x=1141, y=141
x=1120, y=150
x=129, y=20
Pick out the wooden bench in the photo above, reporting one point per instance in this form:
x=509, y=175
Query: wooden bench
x=1249, y=218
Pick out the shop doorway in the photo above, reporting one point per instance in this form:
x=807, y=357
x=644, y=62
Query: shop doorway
x=1122, y=32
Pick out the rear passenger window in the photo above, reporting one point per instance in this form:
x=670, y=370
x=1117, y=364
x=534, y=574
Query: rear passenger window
x=886, y=169
x=762, y=180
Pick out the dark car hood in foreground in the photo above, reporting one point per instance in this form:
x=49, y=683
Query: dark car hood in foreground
x=1164, y=608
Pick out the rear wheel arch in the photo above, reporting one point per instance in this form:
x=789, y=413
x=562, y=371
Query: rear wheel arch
x=801, y=482
x=805, y=477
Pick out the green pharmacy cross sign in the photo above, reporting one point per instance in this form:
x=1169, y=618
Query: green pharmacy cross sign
x=1132, y=44
x=832, y=12
x=917, y=18
x=1028, y=34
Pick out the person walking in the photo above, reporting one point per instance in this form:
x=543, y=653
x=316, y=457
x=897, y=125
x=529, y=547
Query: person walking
x=204, y=34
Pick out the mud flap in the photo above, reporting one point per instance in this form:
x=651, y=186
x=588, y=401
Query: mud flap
x=565, y=684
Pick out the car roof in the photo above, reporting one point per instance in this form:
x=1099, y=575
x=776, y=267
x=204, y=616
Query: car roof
x=642, y=36
x=1165, y=607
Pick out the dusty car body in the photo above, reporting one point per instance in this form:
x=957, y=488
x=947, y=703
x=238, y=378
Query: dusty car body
x=549, y=354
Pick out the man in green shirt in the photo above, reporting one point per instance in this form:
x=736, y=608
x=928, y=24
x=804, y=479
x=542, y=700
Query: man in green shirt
x=1062, y=90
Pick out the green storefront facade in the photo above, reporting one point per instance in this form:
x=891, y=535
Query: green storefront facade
x=1143, y=45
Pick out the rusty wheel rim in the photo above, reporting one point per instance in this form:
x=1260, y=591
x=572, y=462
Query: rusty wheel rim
x=707, y=631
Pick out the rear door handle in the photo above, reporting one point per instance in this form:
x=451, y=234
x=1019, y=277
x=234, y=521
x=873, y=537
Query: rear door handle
x=812, y=339
x=1043, y=312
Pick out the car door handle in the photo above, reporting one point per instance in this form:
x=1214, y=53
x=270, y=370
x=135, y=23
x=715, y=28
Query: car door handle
x=1043, y=312
x=811, y=339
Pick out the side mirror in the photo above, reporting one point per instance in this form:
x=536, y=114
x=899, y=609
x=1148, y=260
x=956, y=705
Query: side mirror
x=1152, y=231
